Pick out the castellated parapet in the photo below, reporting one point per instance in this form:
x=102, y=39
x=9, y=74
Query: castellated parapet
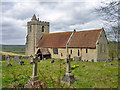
x=35, y=30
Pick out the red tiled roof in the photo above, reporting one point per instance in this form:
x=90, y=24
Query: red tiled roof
x=79, y=39
x=54, y=40
x=85, y=38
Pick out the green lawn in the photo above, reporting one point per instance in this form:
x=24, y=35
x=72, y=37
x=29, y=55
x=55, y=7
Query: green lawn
x=88, y=74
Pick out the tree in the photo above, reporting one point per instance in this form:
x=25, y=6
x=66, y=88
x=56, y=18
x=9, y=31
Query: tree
x=109, y=11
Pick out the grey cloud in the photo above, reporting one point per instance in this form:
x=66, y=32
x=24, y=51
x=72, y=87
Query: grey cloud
x=63, y=16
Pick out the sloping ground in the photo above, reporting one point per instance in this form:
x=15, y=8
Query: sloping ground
x=88, y=74
x=19, y=49
x=12, y=54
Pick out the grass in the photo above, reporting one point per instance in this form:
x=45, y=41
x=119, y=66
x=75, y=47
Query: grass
x=87, y=74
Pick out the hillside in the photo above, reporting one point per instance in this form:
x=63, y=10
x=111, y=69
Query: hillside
x=19, y=49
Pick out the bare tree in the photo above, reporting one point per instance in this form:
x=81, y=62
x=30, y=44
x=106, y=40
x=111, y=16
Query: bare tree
x=109, y=11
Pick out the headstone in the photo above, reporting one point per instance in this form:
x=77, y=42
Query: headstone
x=61, y=59
x=8, y=59
x=52, y=61
x=34, y=77
x=68, y=77
x=111, y=64
x=81, y=60
x=21, y=62
x=63, y=62
x=76, y=58
x=3, y=57
x=92, y=60
x=16, y=59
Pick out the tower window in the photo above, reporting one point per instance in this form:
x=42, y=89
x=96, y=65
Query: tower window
x=42, y=28
x=30, y=28
x=78, y=53
x=86, y=50
x=71, y=51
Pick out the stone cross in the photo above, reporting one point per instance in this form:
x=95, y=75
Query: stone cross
x=8, y=59
x=34, y=78
x=31, y=58
x=68, y=64
x=35, y=61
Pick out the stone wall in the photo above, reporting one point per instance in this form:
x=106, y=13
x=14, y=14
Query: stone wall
x=102, y=48
x=92, y=53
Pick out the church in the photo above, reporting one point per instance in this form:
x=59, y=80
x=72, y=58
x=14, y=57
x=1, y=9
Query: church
x=91, y=45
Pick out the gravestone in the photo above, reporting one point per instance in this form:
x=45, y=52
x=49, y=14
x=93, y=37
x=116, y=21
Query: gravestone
x=92, y=60
x=21, y=62
x=81, y=60
x=68, y=77
x=3, y=57
x=31, y=59
x=16, y=59
x=76, y=58
x=34, y=78
x=63, y=62
x=8, y=59
x=52, y=61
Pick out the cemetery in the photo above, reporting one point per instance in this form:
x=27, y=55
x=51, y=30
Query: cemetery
x=52, y=73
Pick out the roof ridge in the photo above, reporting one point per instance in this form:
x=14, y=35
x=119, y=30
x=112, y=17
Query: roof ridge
x=58, y=33
x=76, y=31
x=90, y=30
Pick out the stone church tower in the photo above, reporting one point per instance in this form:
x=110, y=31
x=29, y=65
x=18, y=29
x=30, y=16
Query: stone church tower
x=35, y=30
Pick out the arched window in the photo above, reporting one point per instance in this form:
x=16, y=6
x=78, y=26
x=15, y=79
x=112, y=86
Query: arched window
x=86, y=50
x=61, y=54
x=71, y=51
x=42, y=28
x=78, y=53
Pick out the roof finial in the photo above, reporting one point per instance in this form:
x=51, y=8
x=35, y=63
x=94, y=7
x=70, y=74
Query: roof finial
x=34, y=17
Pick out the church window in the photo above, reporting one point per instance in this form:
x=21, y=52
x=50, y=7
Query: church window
x=78, y=53
x=61, y=54
x=55, y=50
x=30, y=28
x=71, y=51
x=86, y=50
x=42, y=28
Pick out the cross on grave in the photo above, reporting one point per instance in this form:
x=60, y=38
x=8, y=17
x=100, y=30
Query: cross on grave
x=34, y=78
x=34, y=74
x=16, y=59
x=31, y=59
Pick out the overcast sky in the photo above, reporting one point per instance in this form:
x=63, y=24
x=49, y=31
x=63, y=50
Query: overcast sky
x=63, y=16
